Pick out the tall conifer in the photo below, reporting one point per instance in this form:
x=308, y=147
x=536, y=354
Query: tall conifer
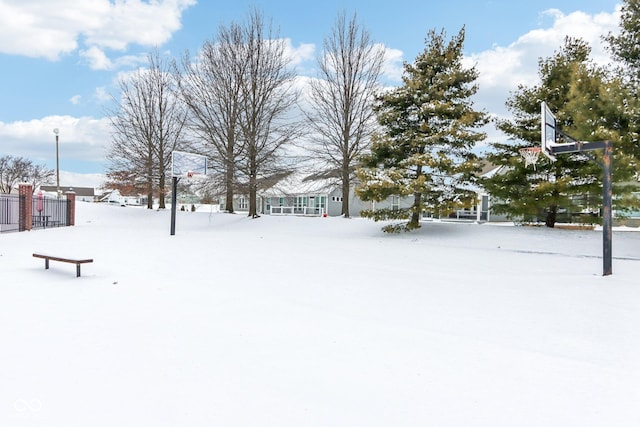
x=428, y=128
x=583, y=100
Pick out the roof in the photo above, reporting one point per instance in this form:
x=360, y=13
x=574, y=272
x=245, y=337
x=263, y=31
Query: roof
x=298, y=185
x=80, y=191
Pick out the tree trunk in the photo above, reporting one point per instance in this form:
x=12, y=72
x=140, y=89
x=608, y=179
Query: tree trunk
x=228, y=179
x=253, y=208
x=346, y=184
x=253, y=184
x=161, y=195
x=161, y=181
x=228, y=200
x=552, y=214
x=414, y=222
x=149, y=186
x=149, y=194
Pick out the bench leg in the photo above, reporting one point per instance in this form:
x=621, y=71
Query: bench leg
x=46, y=263
x=78, y=270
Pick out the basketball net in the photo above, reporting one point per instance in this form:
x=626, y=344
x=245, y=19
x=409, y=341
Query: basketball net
x=530, y=155
x=193, y=177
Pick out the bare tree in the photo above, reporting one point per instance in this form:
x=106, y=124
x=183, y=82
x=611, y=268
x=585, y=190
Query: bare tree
x=341, y=98
x=210, y=87
x=267, y=98
x=147, y=126
x=39, y=175
x=14, y=170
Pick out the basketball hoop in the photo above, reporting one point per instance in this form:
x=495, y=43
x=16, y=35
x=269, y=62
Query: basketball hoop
x=530, y=155
x=193, y=176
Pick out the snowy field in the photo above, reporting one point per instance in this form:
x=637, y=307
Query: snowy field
x=287, y=321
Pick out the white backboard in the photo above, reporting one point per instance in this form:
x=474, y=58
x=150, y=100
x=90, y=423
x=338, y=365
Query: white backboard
x=184, y=164
x=548, y=131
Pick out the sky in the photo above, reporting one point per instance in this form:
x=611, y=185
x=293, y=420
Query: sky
x=61, y=59
x=306, y=321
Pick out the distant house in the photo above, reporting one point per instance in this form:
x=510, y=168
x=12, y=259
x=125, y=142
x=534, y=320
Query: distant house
x=310, y=196
x=630, y=218
x=114, y=197
x=84, y=194
x=317, y=195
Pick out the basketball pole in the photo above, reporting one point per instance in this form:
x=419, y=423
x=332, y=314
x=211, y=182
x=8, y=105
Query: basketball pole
x=607, y=191
x=174, y=200
x=549, y=134
x=607, y=214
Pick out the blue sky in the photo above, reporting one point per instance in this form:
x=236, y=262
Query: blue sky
x=60, y=59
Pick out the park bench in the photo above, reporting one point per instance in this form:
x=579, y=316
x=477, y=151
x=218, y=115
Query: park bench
x=76, y=261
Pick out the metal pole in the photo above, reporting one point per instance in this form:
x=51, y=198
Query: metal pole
x=174, y=200
x=57, y=169
x=607, y=197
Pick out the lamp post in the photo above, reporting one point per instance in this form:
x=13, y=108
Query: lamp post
x=57, y=131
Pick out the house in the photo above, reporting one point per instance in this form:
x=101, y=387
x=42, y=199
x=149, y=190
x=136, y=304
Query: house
x=288, y=195
x=84, y=194
x=628, y=218
x=311, y=196
x=115, y=197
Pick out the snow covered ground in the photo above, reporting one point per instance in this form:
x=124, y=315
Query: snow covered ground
x=287, y=321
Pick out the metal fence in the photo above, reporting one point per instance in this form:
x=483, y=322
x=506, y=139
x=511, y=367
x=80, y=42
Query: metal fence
x=9, y=212
x=45, y=212
x=49, y=212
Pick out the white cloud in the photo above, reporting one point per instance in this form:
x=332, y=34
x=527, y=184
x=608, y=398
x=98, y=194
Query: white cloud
x=502, y=68
x=304, y=52
x=392, y=66
x=96, y=58
x=80, y=138
x=75, y=100
x=102, y=94
x=51, y=28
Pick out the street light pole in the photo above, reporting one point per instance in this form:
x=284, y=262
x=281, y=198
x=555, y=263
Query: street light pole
x=56, y=131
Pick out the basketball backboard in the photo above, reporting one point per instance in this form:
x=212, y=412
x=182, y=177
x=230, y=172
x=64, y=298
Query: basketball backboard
x=548, y=131
x=187, y=165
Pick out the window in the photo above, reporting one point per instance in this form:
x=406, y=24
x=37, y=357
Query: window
x=395, y=203
x=321, y=202
x=243, y=204
x=300, y=202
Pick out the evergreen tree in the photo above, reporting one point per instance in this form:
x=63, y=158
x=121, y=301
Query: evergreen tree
x=625, y=48
x=428, y=128
x=581, y=97
x=626, y=45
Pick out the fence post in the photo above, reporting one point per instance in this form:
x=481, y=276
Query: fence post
x=71, y=208
x=25, y=207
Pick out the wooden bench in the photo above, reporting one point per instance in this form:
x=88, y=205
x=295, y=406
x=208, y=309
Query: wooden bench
x=75, y=261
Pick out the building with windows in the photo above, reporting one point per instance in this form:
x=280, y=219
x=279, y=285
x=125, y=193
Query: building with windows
x=83, y=194
x=297, y=195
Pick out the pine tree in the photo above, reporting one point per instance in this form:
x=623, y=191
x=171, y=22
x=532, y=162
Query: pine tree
x=625, y=48
x=428, y=128
x=582, y=99
x=626, y=45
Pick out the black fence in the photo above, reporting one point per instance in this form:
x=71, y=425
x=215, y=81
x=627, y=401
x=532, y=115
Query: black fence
x=9, y=212
x=49, y=212
x=46, y=212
